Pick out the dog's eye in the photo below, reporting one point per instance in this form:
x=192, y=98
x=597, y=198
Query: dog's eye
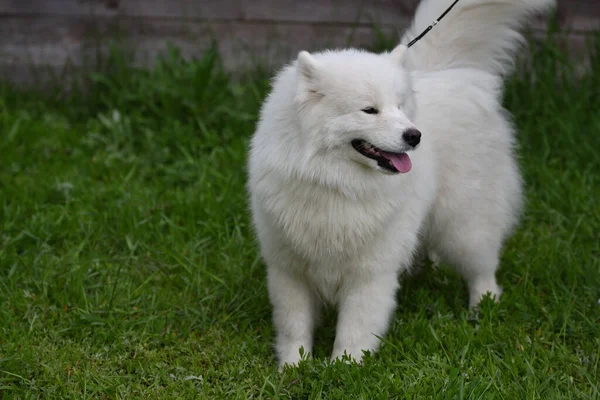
x=370, y=110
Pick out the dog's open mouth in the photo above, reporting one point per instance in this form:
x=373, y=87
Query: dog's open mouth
x=392, y=162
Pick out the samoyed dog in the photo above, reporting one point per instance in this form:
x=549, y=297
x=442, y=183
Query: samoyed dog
x=362, y=162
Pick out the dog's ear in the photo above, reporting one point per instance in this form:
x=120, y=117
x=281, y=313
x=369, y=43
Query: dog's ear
x=309, y=87
x=307, y=66
x=399, y=54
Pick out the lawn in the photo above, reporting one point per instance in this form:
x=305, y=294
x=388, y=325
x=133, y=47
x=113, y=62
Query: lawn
x=129, y=269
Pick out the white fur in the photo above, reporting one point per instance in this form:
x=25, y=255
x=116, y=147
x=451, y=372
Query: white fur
x=334, y=227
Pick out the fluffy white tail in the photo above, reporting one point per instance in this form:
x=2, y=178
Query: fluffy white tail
x=481, y=34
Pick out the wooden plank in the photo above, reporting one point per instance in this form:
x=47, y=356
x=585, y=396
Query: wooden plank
x=579, y=14
x=385, y=12
x=56, y=41
x=41, y=76
x=56, y=33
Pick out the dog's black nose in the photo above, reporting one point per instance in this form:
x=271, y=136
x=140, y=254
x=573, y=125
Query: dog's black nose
x=412, y=137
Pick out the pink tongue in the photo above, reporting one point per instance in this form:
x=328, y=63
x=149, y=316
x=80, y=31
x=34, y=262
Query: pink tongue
x=400, y=161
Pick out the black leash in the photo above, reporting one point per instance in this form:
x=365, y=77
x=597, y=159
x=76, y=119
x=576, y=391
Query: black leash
x=434, y=23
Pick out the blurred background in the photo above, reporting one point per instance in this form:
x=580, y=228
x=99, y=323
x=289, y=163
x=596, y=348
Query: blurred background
x=40, y=39
x=128, y=263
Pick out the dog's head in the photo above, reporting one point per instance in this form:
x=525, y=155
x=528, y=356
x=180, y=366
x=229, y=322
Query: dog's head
x=358, y=106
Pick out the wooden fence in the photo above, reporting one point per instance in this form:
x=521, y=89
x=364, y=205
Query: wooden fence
x=39, y=38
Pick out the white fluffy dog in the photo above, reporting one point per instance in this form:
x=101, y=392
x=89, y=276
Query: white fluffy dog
x=362, y=161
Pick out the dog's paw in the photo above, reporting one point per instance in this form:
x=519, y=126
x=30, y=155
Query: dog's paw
x=482, y=289
x=292, y=357
x=348, y=356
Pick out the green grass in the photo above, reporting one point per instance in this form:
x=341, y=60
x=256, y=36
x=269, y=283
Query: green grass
x=128, y=267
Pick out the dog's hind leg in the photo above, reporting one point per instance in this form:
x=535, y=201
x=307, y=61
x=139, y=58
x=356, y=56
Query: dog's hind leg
x=478, y=265
x=475, y=255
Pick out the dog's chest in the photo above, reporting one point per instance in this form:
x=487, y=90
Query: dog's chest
x=322, y=224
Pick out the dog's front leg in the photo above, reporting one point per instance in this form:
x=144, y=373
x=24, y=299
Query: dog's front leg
x=365, y=309
x=295, y=312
